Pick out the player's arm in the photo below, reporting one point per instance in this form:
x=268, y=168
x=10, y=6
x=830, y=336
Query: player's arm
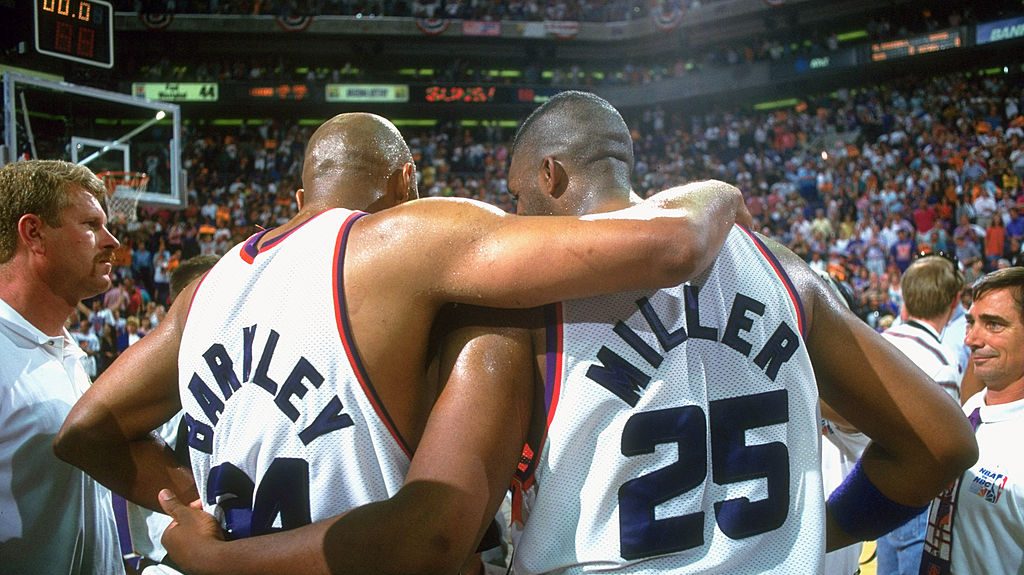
x=108, y=431
x=456, y=481
x=469, y=253
x=832, y=415
x=920, y=440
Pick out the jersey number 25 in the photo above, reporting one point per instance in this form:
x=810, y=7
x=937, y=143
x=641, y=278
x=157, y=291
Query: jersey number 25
x=732, y=461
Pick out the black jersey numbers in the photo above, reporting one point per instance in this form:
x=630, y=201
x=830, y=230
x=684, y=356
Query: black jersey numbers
x=283, y=492
x=732, y=461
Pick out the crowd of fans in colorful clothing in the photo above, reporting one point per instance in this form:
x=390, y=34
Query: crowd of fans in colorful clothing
x=858, y=182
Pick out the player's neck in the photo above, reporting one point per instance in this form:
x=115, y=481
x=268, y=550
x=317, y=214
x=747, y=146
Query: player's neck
x=297, y=220
x=606, y=201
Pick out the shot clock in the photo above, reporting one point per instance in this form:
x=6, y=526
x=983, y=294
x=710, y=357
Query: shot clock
x=77, y=30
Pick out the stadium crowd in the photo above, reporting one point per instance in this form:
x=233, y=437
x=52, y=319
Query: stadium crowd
x=349, y=67
x=858, y=182
x=519, y=10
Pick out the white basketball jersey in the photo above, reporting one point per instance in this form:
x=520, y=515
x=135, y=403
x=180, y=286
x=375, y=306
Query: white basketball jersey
x=284, y=426
x=682, y=431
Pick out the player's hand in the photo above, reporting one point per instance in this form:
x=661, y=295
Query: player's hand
x=192, y=536
x=743, y=216
x=707, y=191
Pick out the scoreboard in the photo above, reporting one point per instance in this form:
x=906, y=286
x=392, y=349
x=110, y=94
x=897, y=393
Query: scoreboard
x=77, y=30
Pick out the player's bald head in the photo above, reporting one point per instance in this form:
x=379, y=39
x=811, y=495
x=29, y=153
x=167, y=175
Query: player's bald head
x=350, y=158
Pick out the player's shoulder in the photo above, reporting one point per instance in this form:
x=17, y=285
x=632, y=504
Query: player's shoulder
x=795, y=267
x=811, y=289
x=434, y=207
x=427, y=228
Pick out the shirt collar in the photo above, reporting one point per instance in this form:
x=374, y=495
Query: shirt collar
x=1001, y=411
x=925, y=326
x=20, y=327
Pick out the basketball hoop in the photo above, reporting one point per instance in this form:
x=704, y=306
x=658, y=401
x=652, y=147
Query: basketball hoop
x=123, y=191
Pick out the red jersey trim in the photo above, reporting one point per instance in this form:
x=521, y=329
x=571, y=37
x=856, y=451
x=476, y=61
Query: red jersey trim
x=347, y=339
x=786, y=282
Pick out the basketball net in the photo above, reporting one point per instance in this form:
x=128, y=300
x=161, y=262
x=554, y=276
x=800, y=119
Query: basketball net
x=123, y=191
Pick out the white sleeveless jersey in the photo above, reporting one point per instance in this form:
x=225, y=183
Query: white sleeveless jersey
x=682, y=431
x=284, y=427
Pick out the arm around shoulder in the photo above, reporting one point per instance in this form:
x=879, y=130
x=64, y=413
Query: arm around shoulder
x=697, y=218
x=485, y=257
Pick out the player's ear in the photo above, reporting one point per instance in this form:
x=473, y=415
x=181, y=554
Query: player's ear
x=553, y=178
x=401, y=184
x=407, y=183
x=300, y=197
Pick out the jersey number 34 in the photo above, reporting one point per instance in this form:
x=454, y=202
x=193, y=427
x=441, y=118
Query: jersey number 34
x=732, y=461
x=283, y=492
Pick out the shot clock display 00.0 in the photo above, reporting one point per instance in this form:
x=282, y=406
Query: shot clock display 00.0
x=77, y=30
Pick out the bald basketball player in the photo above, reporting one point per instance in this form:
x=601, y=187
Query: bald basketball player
x=721, y=367
x=300, y=357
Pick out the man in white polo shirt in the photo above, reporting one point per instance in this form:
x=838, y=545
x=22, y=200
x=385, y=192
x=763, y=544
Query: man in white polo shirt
x=977, y=525
x=55, y=250
x=931, y=292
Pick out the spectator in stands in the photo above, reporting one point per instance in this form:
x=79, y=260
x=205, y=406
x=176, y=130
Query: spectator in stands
x=108, y=348
x=130, y=335
x=85, y=334
x=161, y=274
x=966, y=249
x=984, y=206
x=995, y=241
x=1015, y=225
x=133, y=297
x=904, y=249
x=115, y=299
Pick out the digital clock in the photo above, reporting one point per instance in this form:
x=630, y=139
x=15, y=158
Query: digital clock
x=459, y=94
x=77, y=30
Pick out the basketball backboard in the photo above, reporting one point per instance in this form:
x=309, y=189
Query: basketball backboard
x=105, y=131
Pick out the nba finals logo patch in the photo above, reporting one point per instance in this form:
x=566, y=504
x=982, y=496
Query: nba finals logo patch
x=988, y=484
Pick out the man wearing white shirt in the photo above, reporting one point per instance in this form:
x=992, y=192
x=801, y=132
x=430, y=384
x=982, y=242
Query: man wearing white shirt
x=984, y=207
x=977, y=525
x=931, y=292
x=55, y=250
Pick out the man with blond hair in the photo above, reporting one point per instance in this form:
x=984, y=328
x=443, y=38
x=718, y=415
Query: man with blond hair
x=55, y=250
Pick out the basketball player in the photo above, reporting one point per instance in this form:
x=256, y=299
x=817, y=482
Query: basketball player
x=147, y=526
x=255, y=346
x=720, y=368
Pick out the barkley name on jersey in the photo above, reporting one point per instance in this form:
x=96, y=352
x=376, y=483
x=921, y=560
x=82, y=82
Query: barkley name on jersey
x=284, y=426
